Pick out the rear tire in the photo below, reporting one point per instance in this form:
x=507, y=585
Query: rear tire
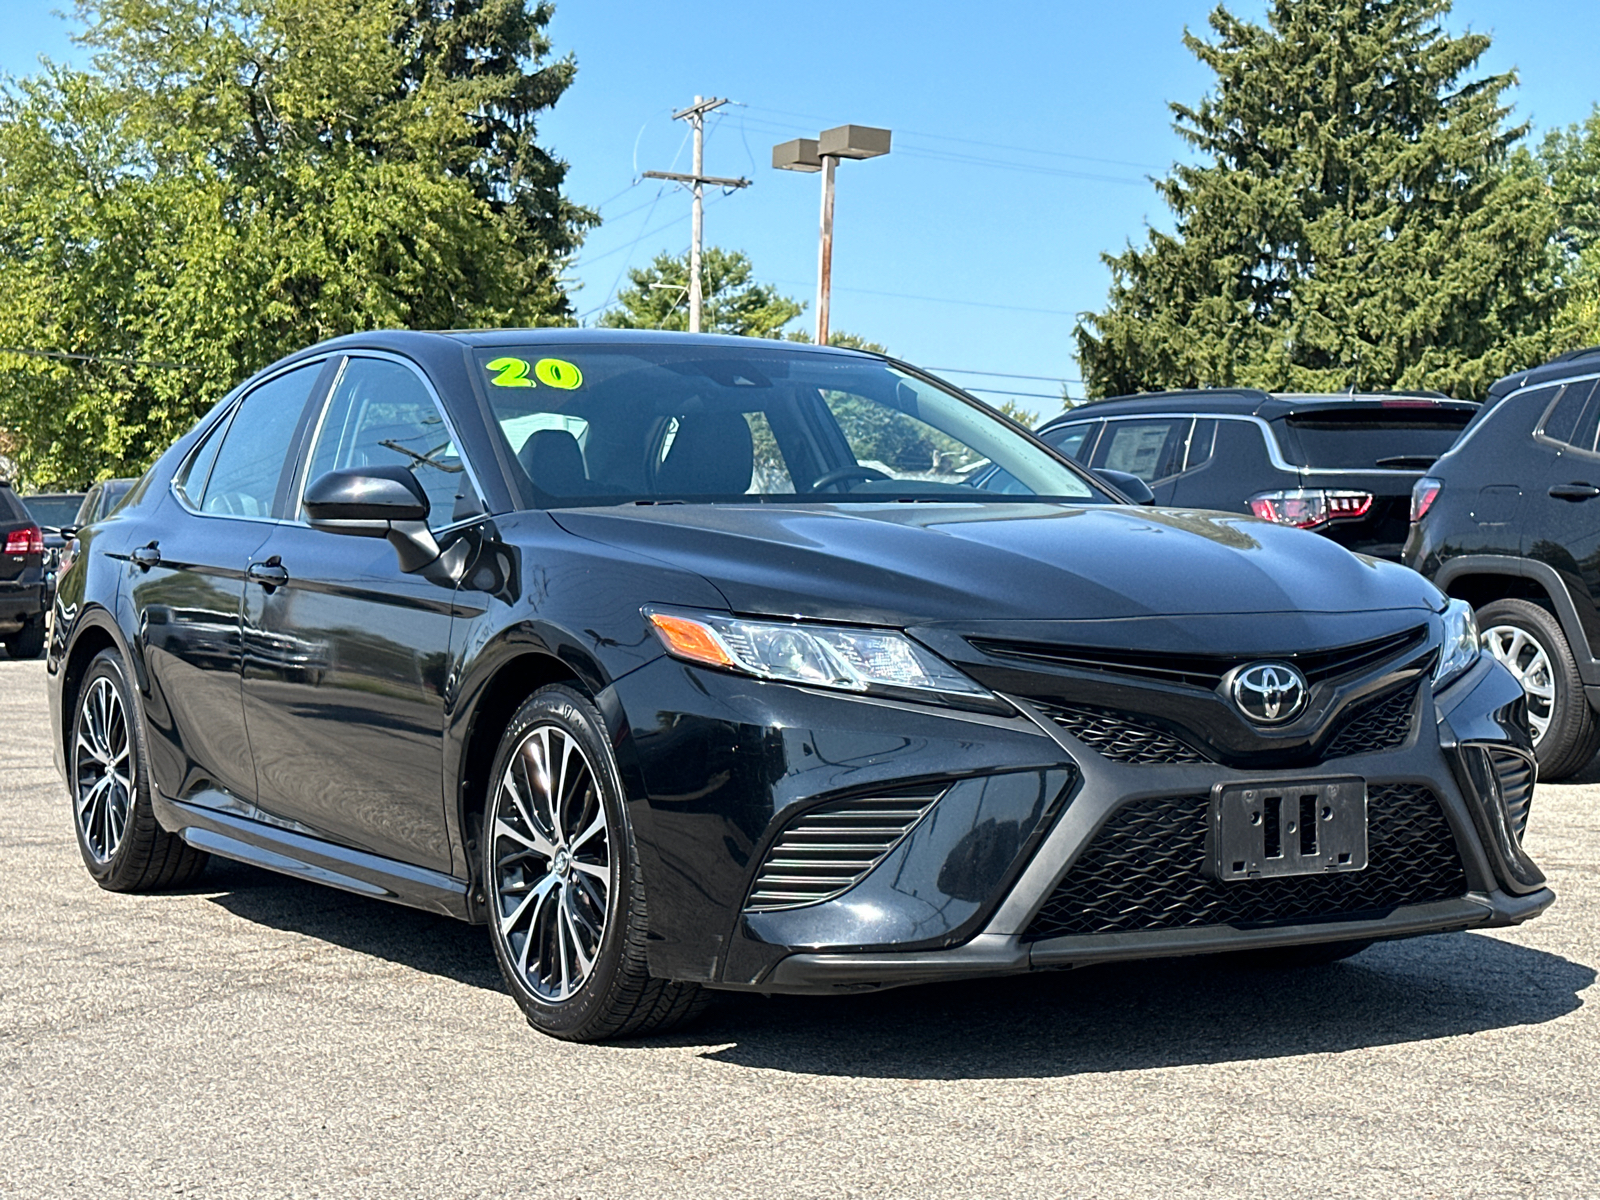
x=566, y=899
x=1529, y=641
x=108, y=775
x=27, y=642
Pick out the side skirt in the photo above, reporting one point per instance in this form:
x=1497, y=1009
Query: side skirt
x=312, y=859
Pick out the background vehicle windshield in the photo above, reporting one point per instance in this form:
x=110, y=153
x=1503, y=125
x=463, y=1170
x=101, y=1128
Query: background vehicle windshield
x=53, y=510
x=704, y=423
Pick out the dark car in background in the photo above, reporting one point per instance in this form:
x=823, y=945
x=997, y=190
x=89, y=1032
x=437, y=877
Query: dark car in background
x=100, y=500
x=23, y=590
x=1509, y=520
x=686, y=662
x=54, y=512
x=1341, y=465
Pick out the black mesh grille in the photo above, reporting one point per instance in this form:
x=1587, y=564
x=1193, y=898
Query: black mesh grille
x=1381, y=724
x=1118, y=736
x=1144, y=870
x=826, y=851
x=1516, y=787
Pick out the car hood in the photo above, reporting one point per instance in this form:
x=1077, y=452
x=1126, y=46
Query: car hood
x=936, y=563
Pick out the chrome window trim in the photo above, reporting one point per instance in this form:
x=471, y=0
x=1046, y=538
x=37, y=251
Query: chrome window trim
x=298, y=508
x=1274, y=451
x=1558, y=383
x=227, y=419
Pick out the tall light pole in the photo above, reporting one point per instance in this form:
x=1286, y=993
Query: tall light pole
x=823, y=154
x=695, y=114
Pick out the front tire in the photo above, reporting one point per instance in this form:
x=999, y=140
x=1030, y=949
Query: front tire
x=1529, y=641
x=566, y=900
x=122, y=845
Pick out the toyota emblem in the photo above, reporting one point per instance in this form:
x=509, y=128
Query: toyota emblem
x=1270, y=693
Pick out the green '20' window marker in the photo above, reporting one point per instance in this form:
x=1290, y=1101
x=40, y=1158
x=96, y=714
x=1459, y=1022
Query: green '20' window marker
x=509, y=372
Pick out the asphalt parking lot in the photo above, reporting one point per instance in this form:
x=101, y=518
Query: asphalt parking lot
x=257, y=1036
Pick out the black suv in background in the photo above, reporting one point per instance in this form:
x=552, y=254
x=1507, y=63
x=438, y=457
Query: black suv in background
x=22, y=578
x=1509, y=521
x=1341, y=465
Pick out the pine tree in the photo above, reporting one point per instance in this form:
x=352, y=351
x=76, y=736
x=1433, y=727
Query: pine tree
x=732, y=301
x=1360, y=217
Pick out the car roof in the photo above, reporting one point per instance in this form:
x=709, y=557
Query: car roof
x=1582, y=361
x=1250, y=402
x=423, y=341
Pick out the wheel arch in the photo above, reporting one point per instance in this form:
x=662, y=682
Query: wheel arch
x=96, y=630
x=501, y=680
x=1480, y=579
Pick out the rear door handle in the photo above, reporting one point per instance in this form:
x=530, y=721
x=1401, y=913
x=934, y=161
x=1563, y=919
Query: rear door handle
x=146, y=556
x=1574, y=491
x=269, y=574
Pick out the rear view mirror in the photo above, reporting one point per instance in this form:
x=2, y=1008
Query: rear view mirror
x=385, y=502
x=1131, y=486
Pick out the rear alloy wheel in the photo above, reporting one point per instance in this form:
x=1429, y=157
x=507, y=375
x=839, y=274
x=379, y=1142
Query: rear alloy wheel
x=121, y=843
x=27, y=642
x=567, y=915
x=1529, y=641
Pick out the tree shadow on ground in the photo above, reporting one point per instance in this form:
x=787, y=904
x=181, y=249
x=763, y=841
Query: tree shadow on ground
x=1134, y=1016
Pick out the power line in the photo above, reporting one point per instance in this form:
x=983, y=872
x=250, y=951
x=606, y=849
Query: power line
x=1003, y=392
x=1004, y=375
x=126, y=362
x=1057, y=312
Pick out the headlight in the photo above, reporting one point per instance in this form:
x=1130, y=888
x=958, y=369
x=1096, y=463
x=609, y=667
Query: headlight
x=1461, y=644
x=827, y=656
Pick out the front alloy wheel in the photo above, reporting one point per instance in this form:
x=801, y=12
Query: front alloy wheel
x=566, y=900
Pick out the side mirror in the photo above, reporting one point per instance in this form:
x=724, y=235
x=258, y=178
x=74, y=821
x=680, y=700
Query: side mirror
x=1131, y=486
x=385, y=502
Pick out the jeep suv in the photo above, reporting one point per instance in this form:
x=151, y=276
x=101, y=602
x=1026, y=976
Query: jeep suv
x=1341, y=465
x=1508, y=521
x=22, y=582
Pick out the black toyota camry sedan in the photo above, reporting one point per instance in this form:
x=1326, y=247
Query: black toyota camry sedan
x=695, y=662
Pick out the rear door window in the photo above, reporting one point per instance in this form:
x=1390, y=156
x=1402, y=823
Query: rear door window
x=1574, y=418
x=1152, y=450
x=243, y=480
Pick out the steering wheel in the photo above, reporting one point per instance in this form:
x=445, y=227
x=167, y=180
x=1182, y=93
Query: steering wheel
x=841, y=474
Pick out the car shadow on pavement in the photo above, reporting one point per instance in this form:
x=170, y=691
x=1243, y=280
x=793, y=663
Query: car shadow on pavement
x=1132, y=1016
x=437, y=945
x=1163, y=1013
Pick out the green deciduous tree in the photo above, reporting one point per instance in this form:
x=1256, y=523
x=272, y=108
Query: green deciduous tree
x=237, y=178
x=733, y=302
x=1358, y=215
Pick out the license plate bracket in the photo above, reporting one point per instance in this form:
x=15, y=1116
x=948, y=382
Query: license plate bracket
x=1303, y=827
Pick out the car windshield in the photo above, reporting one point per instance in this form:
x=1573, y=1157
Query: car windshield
x=53, y=511
x=705, y=423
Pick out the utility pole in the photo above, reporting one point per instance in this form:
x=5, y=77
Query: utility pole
x=695, y=114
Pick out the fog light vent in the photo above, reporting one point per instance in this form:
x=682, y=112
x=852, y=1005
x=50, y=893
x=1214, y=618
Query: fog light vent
x=1516, y=776
x=828, y=850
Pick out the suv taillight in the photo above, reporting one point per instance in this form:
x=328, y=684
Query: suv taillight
x=1307, y=508
x=27, y=540
x=1423, y=494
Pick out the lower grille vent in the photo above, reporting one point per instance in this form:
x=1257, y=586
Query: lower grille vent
x=827, y=851
x=1145, y=870
x=1119, y=737
x=1516, y=787
x=1382, y=724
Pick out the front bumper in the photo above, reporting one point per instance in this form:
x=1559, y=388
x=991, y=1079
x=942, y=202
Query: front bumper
x=721, y=764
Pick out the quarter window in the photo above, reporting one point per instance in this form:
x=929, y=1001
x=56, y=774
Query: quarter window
x=381, y=414
x=243, y=480
x=1071, y=440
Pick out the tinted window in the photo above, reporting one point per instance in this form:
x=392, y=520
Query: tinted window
x=381, y=414
x=244, y=479
x=1573, y=418
x=53, y=511
x=191, y=479
x=1390, y=437
x=1202, y=441
x=716, y=424
x=1151, y=450
x=1070, y=439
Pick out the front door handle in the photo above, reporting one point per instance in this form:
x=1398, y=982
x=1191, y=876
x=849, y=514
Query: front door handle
x=146, y=556
x=269, y=574
x=1574, y=492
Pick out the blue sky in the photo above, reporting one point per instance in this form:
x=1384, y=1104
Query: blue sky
x=1024, y=134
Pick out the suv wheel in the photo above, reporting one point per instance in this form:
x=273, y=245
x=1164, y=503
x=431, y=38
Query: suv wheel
x=121, y=843
x=567, y=906
x=1529, y=641
x=27, y=642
